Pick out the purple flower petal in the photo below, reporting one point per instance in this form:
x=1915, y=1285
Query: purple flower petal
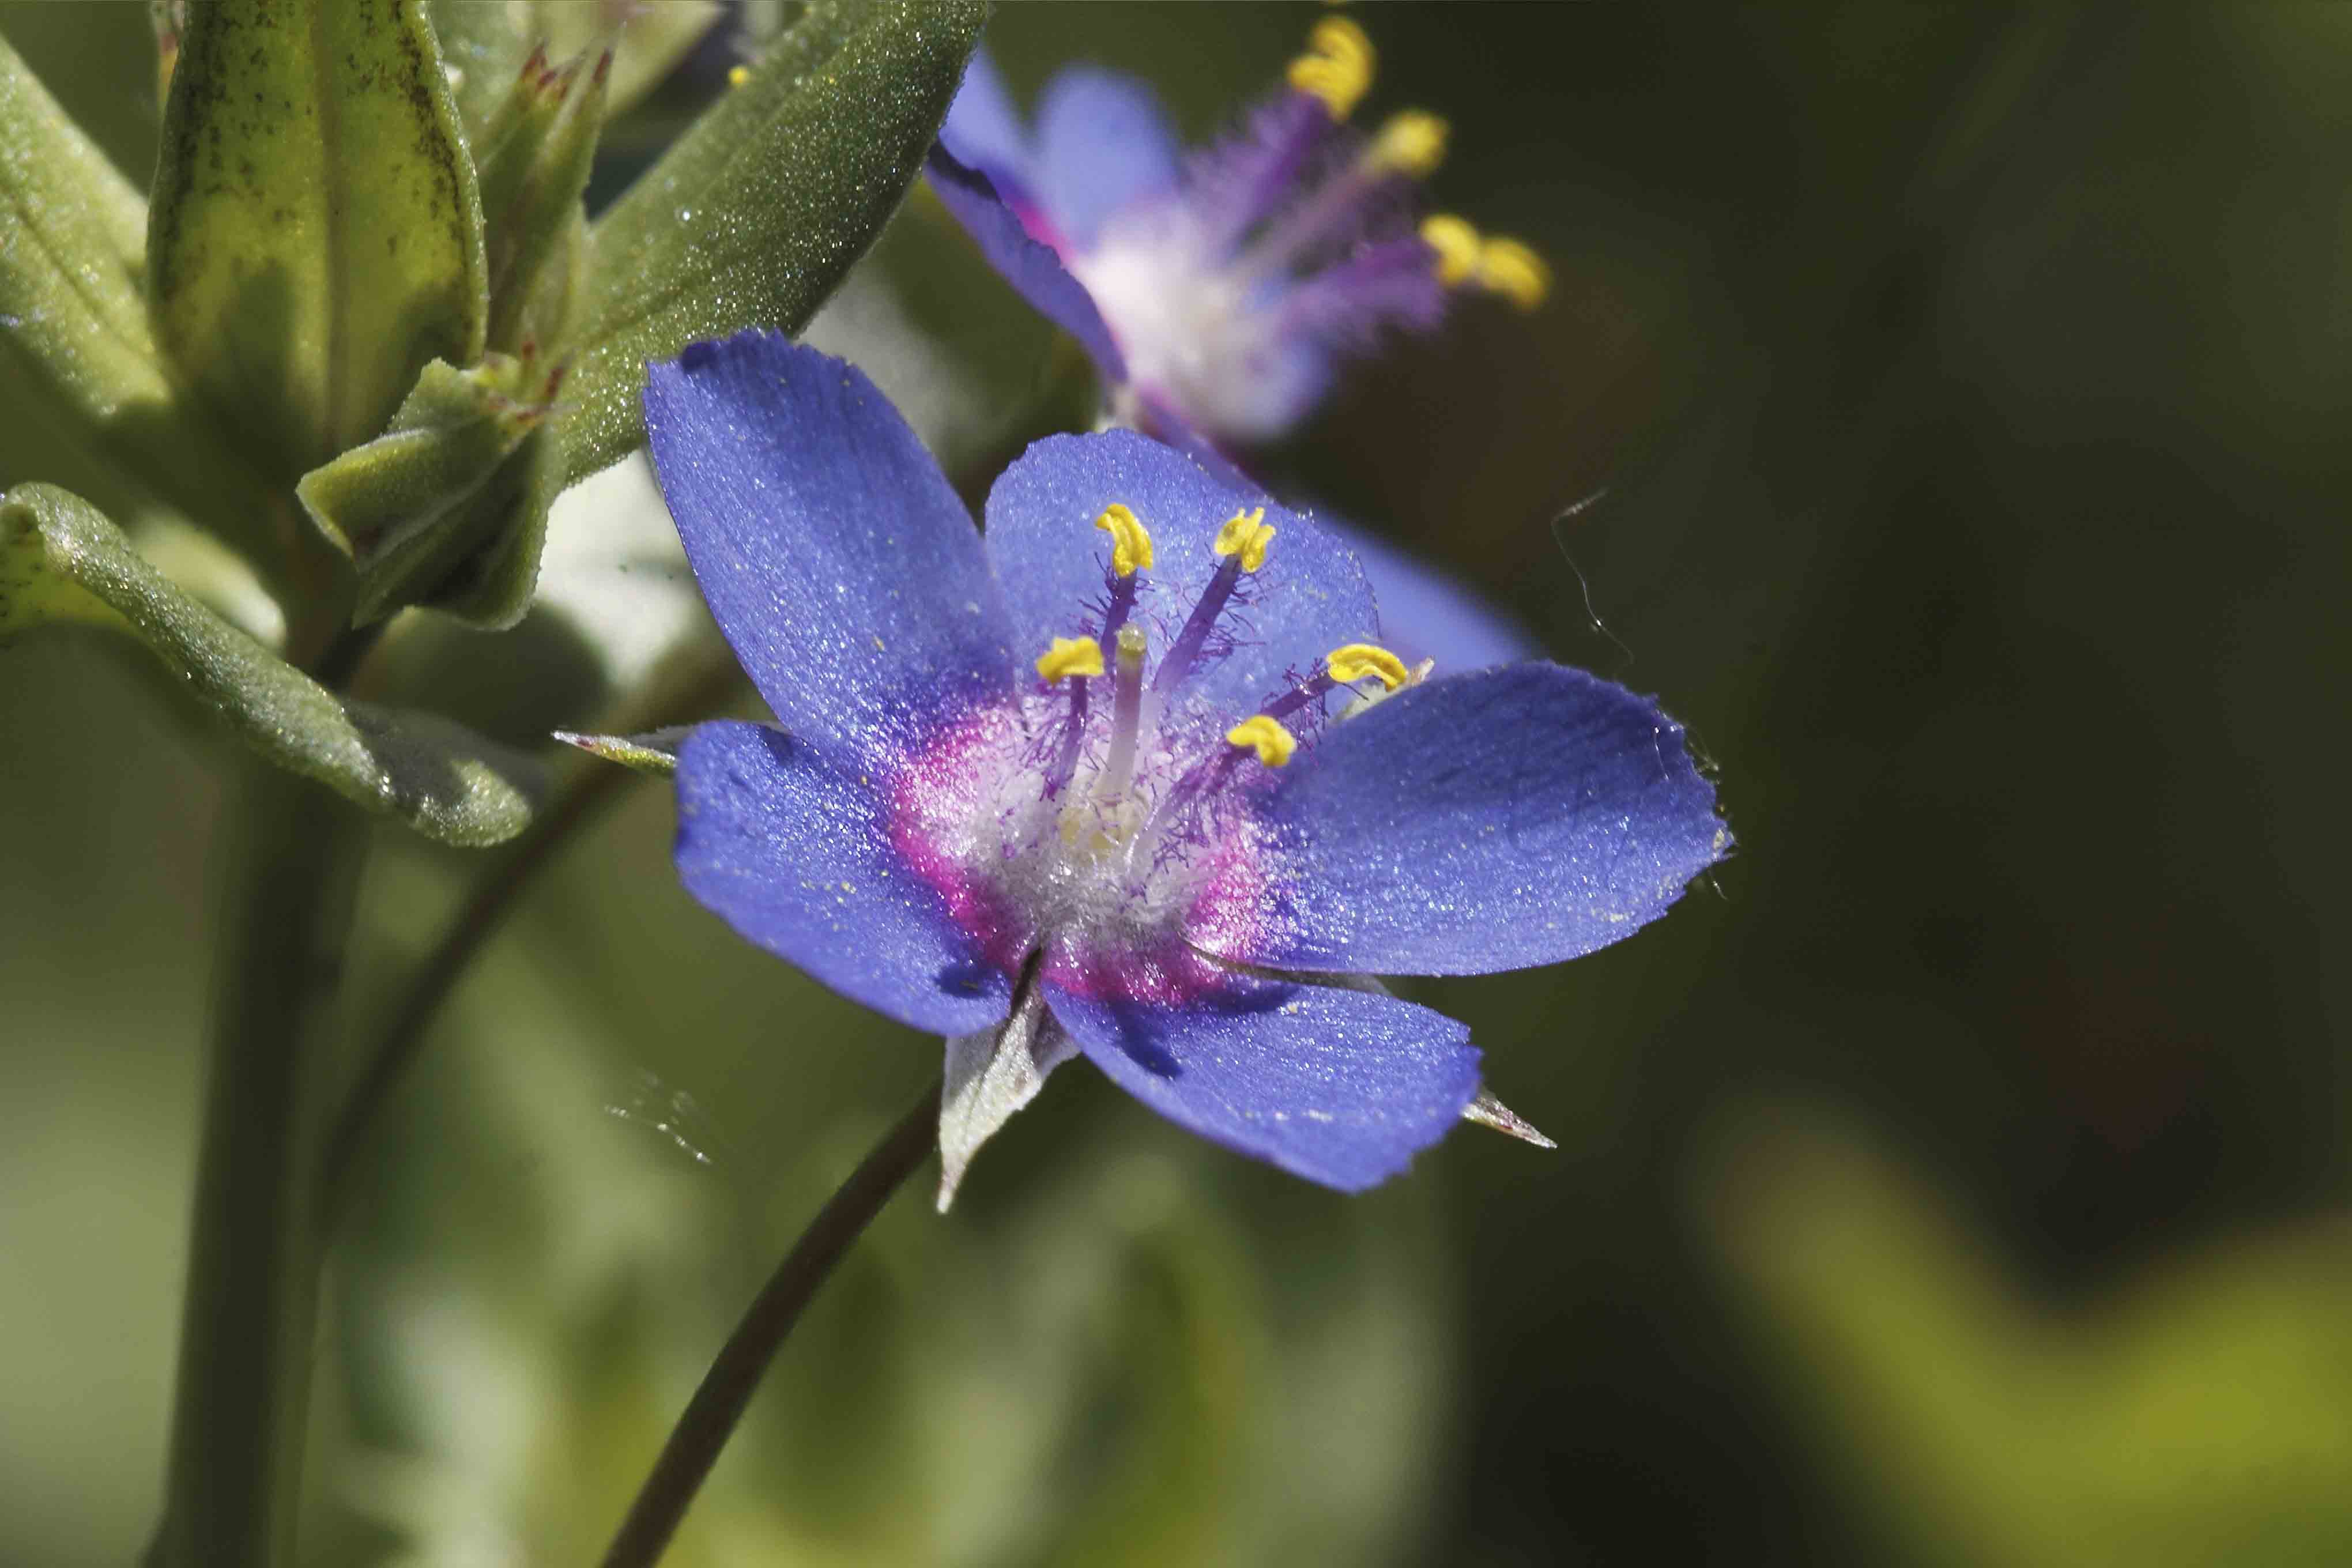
x=1499, y=820
x=1426, y=614
x=1308, y=598
x=837, y=560
x=1342, y=1087
x=984, y=130
x=1031, y=267
x=1103, y=145
x=797, y=855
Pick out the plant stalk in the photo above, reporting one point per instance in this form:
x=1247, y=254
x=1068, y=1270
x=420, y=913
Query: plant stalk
x=718, y=1405
x=289, y=856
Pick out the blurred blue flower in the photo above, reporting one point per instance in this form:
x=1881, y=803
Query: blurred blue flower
x=1132, y=777
x=1217, y=293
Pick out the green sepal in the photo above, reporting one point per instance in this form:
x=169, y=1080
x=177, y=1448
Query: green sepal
x=315, y=235
x=533, y=161
x=753, y=215
x=654, y=751
x=483, y=45
x=647, y=41
x=61, y=560
x=448, y=506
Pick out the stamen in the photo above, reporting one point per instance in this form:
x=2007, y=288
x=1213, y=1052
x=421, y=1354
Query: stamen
x=1411, y=144
x=1130, y=543
x=1272, y=742
x=1353, y=661
x=1245, y=535
x=1070, y=656
x=1242, y=542
x=1457, y=244
x=1513, y=272
x=1337, y=67
x=1126, y=716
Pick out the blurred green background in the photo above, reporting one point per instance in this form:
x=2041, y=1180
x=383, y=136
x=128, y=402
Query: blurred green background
x=1958, y=1179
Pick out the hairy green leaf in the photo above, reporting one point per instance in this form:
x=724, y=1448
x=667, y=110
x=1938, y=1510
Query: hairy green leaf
x=61, y=560
x=315, y=235
x=755, y=213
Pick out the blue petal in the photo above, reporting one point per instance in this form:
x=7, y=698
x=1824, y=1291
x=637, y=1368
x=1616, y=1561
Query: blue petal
x=1426, y=614
x=983, y=130
x=1030, y=267
x=1103, y=145
x=797, y=856
x=1423, y=614
x=1498, y=820
x=833, y=554
x=1308, y=598
x=1341, y=1087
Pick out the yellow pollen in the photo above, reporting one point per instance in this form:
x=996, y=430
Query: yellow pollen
x=1513, y=272
x=1130, y=544
x=1337, y=67
x=1267, y=738
x=739, y=75
x=1355, y=660
x=1457, y=244
x=1412, y=143
x=1245, y=535
x=1071, y=655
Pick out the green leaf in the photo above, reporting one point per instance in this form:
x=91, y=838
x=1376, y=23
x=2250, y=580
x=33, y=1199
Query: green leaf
x=448, y=506
x=755, y=213
x=84, y=394
x=315, y=236
x=61, y=560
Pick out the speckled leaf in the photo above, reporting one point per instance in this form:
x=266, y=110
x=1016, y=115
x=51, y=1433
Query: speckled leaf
x=83, y=390
x=755, y=213
x=315, y=235
x=61, y=560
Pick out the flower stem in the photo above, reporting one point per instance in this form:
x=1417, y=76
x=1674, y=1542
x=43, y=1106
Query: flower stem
x=290, y=853
x=689, y=692
x=711, y=1415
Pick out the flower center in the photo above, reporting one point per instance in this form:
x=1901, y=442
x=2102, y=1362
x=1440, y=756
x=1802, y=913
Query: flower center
x=1115, y=807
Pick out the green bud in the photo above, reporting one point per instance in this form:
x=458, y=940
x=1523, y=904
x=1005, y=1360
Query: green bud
x=534, y=157
x=315, y=235
x=448, y=506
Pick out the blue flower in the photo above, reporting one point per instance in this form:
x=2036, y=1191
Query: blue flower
x=1132, y=777
x=1218, y=293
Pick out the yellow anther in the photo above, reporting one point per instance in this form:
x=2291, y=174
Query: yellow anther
x=1130, y=544
x=1353, y=661
x=1412, y=143
x=1070, y=656
x=1266, y=737
x=1337, y=67
x=738, y=75
x=1245, y=535
x=1457, y=244
x=1513, y=272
